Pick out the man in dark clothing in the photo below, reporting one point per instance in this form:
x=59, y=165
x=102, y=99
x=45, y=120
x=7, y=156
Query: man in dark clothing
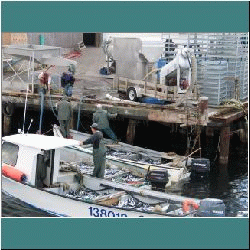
x=99, y=151
x=101, y=117
x=64, y=115
x=67, y=82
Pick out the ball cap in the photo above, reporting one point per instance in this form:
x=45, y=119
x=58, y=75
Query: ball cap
x=94, y=125
x=99, y=106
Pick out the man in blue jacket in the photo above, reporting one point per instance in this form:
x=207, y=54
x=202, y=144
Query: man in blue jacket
x=67, y=82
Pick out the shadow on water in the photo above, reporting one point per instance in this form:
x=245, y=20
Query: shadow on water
x=227, y=182
x=12, y=207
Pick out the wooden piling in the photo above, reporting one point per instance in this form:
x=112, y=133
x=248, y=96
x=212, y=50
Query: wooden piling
x=223, y=178
x=209, y=132
x=7, y=120
x=209, y=148
x=224, y=144
x=130, y=136
x=243, y=135
x=203, y=110
x=243, y=132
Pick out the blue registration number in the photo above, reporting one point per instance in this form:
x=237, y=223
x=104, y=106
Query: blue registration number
x=96, y=212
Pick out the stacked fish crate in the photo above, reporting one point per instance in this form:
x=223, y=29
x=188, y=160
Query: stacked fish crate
x=222, y=63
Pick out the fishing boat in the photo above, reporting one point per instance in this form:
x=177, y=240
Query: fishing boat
x=49, y=173
x=139, y=160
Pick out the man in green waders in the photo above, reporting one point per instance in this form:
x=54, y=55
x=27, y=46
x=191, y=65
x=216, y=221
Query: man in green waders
x=64, y=115
x=99, y=151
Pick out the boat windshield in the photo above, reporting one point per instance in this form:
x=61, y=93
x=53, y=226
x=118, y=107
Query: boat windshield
x=9, y=153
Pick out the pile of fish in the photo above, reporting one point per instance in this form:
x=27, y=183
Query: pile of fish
x=125, y=201
x=113, y=174
x=138, y=157
x=83, y=194
x=128, y=201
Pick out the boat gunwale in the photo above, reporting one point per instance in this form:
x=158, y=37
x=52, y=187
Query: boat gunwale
x=131, y=162
x=88, y=202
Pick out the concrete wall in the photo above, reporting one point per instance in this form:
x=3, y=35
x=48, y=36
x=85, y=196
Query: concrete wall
x=152, y=46
x=126, y=53
x=57, y=39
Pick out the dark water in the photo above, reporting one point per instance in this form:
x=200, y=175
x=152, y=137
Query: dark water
x=229, y=183
x=12, y=207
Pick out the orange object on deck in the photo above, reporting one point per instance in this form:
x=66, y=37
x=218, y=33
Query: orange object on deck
x=187, y=204
x=13, y=173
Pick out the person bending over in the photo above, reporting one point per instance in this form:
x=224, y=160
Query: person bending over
x=99, y=151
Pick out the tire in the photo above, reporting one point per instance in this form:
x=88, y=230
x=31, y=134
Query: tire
x=131, y=94
x=8, y=108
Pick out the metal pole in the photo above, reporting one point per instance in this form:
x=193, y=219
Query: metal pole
x=41, y=114
x=78, y=118
x=26, y=99
x=108, y=65
x=33, y=69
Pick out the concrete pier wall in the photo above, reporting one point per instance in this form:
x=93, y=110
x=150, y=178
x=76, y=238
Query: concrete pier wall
x=58, y=39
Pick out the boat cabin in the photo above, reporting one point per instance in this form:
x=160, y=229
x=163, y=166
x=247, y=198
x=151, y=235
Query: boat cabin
x=37, y=156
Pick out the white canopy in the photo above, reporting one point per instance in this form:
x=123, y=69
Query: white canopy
x=40, y=141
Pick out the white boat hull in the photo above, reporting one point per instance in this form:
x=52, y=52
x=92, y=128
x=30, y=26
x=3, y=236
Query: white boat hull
x=63, y=206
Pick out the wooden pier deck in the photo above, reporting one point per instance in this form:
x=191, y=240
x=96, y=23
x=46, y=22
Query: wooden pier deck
x=221, y=117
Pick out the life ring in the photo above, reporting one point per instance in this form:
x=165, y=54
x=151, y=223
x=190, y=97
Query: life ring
x=188, y=204
x=8, y=108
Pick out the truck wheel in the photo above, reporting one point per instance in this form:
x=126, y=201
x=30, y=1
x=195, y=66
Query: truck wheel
x=131, y=94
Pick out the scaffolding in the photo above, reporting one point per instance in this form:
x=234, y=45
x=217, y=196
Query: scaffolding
x=222, y=62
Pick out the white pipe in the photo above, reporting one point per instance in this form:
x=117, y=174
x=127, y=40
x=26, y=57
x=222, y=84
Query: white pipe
x=26, y=99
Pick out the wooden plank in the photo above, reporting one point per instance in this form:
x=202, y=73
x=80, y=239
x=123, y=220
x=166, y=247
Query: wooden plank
x=226, y=119
x=130, y=135
x=145, y=86
x=109, y=200
x=167, y=116
x=87, y=180
x=128, y=109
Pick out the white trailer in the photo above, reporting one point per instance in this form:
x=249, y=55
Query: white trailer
x=176, y=78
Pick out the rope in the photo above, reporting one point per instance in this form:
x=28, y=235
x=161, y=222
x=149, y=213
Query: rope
x=152, y=71
x=233, y=103
x=51, y=106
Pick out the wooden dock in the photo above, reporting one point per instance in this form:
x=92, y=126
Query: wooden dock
x=221, y=118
